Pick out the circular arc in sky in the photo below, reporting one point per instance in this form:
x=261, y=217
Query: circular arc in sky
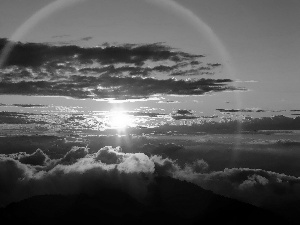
x=179, y=9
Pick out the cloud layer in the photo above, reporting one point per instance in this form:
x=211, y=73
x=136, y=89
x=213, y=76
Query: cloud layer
x=79, y=171
x=120, y=71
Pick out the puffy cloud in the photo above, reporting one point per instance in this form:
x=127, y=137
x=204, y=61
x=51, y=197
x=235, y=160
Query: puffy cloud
x=76, y=172
x=12, y=176
x=254, y=186
x=38, y=158
x=73, y=155
x=253, y=181
x=198, y=166
x=137, y=163
x=165, y=166
x=81, y=172
x=109, y=155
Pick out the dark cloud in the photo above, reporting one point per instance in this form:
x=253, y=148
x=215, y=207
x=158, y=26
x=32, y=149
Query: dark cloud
x=184, y=112
x=255, y=186
x=115, y=87
x=214, y=64
x=36, y=158
x=109, y=155
x=192, y=72
x=110, y=71
x=198, y=166
x=29, y=105
x=61, y=36
x=73, y=155
x=184, y=117
x=181, y=114
x=86, y=38
x=240, y=110
x=209, y=117
x=35, y=55
x=148, y=114
x=89, y=174
x=287, y=143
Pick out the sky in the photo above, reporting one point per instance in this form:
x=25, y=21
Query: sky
x=165, y=80
x=260, y=37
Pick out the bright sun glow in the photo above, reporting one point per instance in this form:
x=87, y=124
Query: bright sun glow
x=120, y=120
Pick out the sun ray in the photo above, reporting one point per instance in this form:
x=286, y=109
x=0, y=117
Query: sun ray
x=120, y=120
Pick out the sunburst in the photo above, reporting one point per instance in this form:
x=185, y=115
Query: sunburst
x=120, y=120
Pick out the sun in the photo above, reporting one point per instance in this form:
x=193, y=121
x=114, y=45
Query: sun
x=120, y=120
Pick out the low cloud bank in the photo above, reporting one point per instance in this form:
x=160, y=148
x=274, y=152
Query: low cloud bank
x=24, y=175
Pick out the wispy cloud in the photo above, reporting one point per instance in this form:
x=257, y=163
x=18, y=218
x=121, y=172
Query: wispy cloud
x=61, y=36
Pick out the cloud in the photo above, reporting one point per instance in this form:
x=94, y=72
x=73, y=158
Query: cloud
x=115, y=87
x=184, y=117
x=247, y=110
x=198, y=166
x=86, y=38
x=76, y=172
x=183, y=114
x=109, y=71
x=214, y=64
x=80, y=171
x=148, y=114
x=35, y=55
x=255, y=186
x=240, y=110
x=29, y=105
x=61, y=36
x=38, y=158
x=109, y=155
x=73, y=155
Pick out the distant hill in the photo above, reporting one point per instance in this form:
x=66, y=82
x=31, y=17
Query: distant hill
x=169, y=201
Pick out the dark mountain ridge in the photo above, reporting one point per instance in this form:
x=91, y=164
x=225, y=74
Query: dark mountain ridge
x=169, y=201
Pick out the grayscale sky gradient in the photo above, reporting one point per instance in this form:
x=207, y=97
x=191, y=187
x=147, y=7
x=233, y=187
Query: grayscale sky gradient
x=261, y=36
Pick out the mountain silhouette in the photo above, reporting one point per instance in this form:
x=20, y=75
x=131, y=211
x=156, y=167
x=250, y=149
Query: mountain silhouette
x=169, y=201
